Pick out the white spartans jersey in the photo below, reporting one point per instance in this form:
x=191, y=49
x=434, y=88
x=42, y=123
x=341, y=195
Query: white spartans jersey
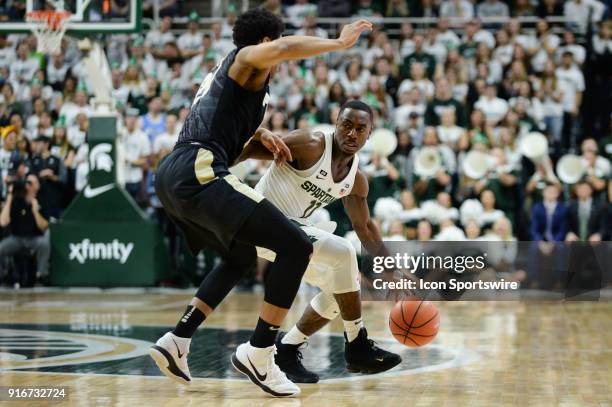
x=298, y=193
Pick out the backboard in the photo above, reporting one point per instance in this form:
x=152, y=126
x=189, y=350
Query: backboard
x=88, y=16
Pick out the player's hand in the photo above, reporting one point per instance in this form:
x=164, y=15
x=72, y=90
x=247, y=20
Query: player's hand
x=276, y=146
x=351, y=32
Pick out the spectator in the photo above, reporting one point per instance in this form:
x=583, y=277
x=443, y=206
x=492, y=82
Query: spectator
x=33, y=120
x=426, y=188
x=523, y=8
x=136, y=148
x=570, y=45
x=579, y=11
x=154, y=121
x=492, y=8
x=16, y=121
x=443, y=100
x=190, y=42
x=541, y=178
x=28, y=222
x=222, y=46
x=418, y=80
x=397, y=8
x=448, y=132
x=334, y=8
x=10, y=159
x=57, y=71
x=571, y=84
x=494, y=108
x=587, y=220
x=273, y=6
x=549, y=217
x=309, y=27
x=24, y=66
x=597, y=168
x=156, y=39
x=419, y=56
x=51, y=174
x=424, y=231
x=384, y=179
x=77, y=133
x=457, y=9
x=445, y=35
x=411, y=107
x=490, y=214
x=6, y=52
x=298, y=12
x=70, y=110
x=549, y=8
x=44, y=127
x=368, y=8
x=164, y=143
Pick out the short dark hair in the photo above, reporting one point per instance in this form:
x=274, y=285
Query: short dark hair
x=254, y=25
x=357, y=105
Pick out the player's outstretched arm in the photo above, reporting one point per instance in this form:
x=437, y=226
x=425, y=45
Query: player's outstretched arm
x=301, y=145
x=356, y=206
x=293, y=47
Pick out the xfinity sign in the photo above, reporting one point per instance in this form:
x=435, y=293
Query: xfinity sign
x=87, y=250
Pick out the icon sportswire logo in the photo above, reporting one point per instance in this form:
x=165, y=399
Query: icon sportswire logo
x=86, y=250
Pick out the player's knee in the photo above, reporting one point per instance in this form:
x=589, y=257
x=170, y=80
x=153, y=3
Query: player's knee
x=340, y=250
x=345, y=268
x=325, y=305
x=300, y=246
x=242, y=260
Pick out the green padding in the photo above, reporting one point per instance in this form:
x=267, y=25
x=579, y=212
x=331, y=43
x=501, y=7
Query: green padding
x=107, y=254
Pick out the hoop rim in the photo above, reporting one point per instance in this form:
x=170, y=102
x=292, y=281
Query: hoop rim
x=53, y=18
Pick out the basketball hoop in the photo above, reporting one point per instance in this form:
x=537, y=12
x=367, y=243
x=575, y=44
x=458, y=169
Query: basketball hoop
x=49, y=27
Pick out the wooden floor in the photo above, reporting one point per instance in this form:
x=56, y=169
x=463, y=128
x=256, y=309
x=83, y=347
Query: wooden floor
x=486, y=354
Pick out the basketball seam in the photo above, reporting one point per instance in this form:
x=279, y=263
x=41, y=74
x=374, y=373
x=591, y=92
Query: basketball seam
x=413, y=317
x=413, y=341
x=425, y=323
x=396, y=324
x=423, y=336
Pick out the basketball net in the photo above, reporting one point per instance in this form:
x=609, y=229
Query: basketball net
x=49, y=27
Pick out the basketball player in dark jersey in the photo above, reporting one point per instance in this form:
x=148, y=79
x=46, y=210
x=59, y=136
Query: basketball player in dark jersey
x=215, y=210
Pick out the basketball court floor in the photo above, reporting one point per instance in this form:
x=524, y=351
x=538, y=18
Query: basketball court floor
x=495, y=353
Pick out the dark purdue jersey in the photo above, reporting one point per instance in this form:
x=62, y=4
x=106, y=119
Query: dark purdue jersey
x=224, y=115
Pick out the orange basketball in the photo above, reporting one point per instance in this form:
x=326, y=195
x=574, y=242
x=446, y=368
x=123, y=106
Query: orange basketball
x=414, y=323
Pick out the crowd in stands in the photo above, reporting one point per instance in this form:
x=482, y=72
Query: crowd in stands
x=463, y=83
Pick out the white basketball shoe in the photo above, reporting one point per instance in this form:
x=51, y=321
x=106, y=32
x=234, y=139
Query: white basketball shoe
x=170, y=355
x=259, y=366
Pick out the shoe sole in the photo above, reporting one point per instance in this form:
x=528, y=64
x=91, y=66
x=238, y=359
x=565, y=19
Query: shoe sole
x=167, y=365
x=297, y=379
x=370, y=369
x=245, y=371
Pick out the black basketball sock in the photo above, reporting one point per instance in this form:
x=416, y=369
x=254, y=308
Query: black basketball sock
x=189, y=322
x=264, y=334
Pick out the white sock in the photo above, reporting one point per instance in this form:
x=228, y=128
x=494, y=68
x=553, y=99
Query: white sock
x=352, y=328
x=294, y=337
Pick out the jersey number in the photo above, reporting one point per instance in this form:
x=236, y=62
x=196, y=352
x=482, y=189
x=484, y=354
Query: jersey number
x=314, y=205
x=204, y=87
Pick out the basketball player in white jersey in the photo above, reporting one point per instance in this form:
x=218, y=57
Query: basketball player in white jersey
x=325, y=168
